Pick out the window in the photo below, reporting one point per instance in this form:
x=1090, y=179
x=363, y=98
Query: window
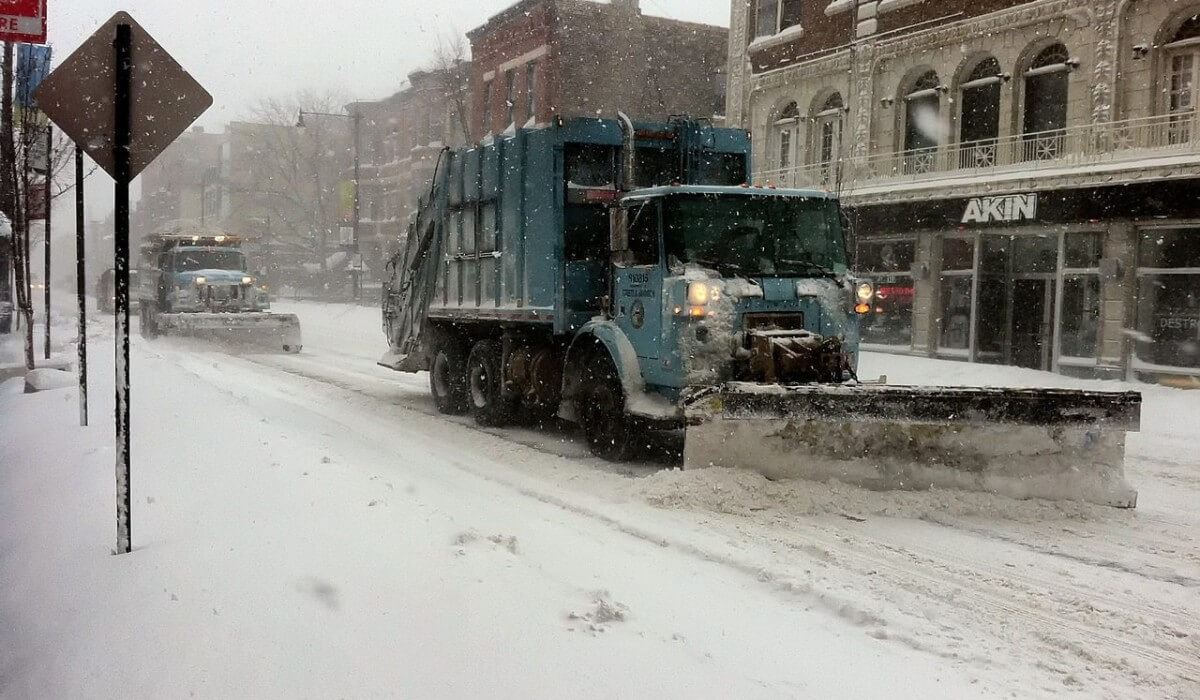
x=887, y=264
x=979, y=119
x=486, y=112
x=767, y=21
x=922, y=124
x=531, y=91
x=1168, y=313
x=827, y=130
x=1183, y=90
x=957, y=284
x=643, y=233
x=1047, y=85
x=510, y=97
x=1080, y=324
x=785, y=135
x=773, y=16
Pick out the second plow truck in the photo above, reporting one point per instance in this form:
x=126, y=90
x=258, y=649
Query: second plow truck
x=196, y=283
x=624, y=277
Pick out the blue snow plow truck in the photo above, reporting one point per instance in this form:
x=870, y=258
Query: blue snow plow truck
x=626, y=277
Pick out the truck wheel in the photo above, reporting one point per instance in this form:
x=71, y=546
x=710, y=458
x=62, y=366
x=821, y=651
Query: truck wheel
x=448, y=379
x=148, y=323
x=609, y=430
x=484, y=389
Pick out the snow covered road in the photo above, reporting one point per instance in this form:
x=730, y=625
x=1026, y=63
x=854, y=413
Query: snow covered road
x=307, y=526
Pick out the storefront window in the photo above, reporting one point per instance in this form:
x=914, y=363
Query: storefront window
x=956, y=313
x=887, y=264
x=958, y=254
x=995, y=266
x=1035, y=254
x=1169, y=298
x=1082, y=250
x=1080, y=324
x=957, y=283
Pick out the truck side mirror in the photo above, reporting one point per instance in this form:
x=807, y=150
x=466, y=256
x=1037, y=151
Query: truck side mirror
x=618, y=233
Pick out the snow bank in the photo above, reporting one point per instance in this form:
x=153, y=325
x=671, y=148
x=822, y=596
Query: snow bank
x=46, y=379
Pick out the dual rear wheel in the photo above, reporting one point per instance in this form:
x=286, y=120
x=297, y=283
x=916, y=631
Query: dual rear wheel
x=463, y=381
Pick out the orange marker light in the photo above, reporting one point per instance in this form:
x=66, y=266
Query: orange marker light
x=862, y=308
x=696, y=312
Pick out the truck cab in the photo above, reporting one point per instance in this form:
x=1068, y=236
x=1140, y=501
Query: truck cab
x=713, y=284
x=199, y=274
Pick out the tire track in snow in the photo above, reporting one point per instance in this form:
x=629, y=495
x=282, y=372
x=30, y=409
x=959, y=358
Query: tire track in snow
x=909, y=569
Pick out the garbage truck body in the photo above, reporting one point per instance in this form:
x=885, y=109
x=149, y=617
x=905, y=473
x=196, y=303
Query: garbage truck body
x=627, y=277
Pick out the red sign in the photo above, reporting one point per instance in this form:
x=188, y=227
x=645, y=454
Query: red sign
x=23, y=21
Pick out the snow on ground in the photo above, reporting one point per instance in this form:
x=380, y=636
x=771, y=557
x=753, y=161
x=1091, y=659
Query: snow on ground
x=308, y=526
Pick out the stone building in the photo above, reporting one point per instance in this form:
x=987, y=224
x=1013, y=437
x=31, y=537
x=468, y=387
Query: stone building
x=1022, y=178
x=184, y=182
x=578, y=58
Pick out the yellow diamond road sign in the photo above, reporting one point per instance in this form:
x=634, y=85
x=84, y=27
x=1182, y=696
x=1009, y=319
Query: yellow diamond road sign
x=79, y=95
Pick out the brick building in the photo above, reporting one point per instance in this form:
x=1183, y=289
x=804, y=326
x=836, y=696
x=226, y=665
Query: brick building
x=402, y=136
x=541, y=58
x=1022, y=178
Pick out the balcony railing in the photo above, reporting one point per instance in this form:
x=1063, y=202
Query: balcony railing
x=1128, y=141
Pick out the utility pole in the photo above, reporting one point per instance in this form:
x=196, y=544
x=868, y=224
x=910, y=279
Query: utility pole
x=47, y=195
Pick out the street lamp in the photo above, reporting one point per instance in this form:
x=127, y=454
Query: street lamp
x=356, y=272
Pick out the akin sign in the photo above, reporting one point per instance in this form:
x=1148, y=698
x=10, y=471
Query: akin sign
x=1003, y=209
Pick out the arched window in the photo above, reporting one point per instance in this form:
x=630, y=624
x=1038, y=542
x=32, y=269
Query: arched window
x=1183, y=88
x=922, y=123
x=1046, y=90
x=784, y=136
x=827, y=135
x=979, y=118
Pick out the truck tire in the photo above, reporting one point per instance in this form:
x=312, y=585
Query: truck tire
x=484, y=385
x=611, y=434
x=448, y=379
x=147, y=321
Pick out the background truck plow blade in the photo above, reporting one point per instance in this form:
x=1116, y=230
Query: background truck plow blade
x=1022, y=443
x=277, y=330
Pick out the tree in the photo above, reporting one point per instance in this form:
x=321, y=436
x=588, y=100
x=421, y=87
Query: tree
x=452, y=66
x=286, y=174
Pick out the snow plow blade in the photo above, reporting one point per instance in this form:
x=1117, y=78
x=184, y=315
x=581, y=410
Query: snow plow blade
x=258, y=329
x=1021, y=443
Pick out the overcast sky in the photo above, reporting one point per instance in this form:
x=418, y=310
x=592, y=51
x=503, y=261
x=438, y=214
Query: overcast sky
x=244, y=49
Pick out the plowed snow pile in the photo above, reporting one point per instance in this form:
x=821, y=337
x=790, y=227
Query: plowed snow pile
x=742, y=492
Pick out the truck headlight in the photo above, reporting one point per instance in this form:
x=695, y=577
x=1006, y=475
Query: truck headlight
x=201, y=280
x=700, y=293
x=247, y=280
x=865, y=291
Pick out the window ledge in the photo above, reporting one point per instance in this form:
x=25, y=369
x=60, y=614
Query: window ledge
x=890, y=5
x=765, y=42
x=840, y=6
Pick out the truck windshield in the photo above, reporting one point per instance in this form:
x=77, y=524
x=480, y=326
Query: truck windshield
x=191, y=260
x=755, y=236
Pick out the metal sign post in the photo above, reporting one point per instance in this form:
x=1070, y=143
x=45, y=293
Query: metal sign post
x=124, y=51
x=81, y=287
x=46, y=275
x=123, y=124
